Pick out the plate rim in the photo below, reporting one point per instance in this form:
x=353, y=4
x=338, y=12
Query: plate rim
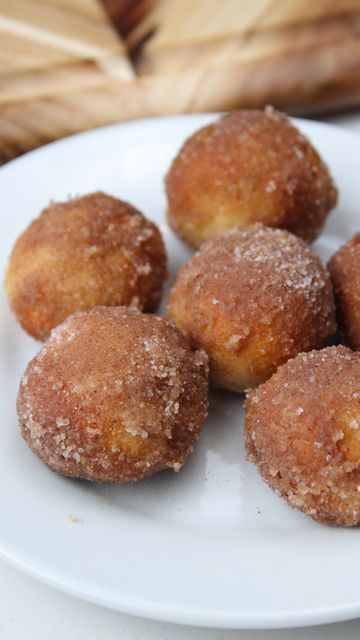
x=170, y=118
x=180, y=615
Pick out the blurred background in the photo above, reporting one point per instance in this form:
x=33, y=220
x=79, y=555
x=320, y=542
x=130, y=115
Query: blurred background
x=72, y=65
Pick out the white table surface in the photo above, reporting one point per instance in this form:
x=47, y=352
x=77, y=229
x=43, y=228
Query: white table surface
x=32, y=611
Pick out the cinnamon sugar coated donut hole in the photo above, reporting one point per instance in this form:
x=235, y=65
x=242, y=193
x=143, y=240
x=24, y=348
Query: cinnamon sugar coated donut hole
x=248, y=166
x=93, y=250
x=344, y=268
x=253, y=299
x=114, y=396
x=302, y=431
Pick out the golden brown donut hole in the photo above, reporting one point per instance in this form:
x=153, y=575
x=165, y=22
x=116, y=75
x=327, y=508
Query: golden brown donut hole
x=302, y=431
x=253, y=299
x=344, y=268
x=248, y=166
x=93, y=250
x=113, y=396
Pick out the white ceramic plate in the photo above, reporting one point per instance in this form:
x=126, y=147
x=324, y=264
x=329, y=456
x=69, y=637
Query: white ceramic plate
x=211, y=545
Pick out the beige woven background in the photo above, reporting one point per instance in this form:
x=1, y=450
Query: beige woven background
x=69, y=66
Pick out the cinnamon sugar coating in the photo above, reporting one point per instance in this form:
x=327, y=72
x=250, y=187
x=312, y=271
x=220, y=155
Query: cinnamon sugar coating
x=114, y=396
x=253, y=299
x=249, y=166
x=344, y=268
x=302, y=431
x=93, y=250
